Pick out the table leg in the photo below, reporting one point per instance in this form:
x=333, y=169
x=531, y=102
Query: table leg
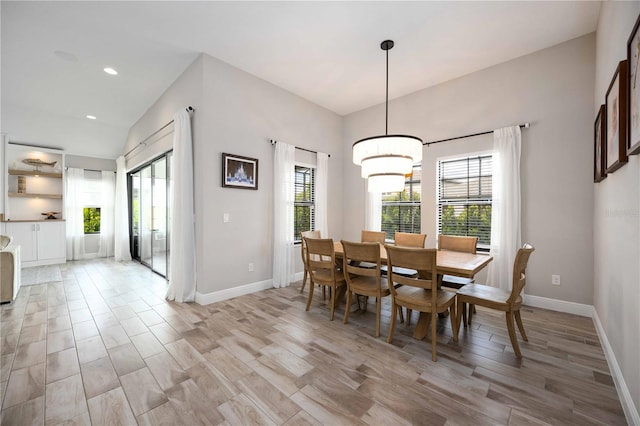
x=422, y=327
x=340, y=292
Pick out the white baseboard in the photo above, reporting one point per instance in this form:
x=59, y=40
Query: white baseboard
x=298, y=276
x=630, y=410
x=559, y=305
x=229, y=293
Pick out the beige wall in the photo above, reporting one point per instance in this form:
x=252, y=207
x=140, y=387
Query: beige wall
x=238, y=113
x=552, y=89
x=617, y=215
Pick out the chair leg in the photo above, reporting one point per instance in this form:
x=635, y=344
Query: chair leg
x=324, y=293
x=311, y=286
x=520, y=325
x=434, y=325
x=400, y=314
x=459, y=307
x=304, y=280
x=378, y=310
x=392, y=326
x=464, y=313
x=347, y=308
x=333, y=302
x=408, y=319
x=512, y=334
x=470, y=313
x=454, y=321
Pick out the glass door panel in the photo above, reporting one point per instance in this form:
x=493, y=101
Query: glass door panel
x=146, y=224
x=159, y=216
x=169, y=192
x=135, y=214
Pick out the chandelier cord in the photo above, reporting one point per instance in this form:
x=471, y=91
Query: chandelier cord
x=386, y=102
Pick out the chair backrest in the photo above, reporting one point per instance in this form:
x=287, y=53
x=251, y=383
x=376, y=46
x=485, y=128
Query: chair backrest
x=420, y=259
x=519, y=267
x=404, y=239
x=355, y=253
x=6, y=240
x=373, y=237
x=457, y=243
x=321, y=256
x=303, y=246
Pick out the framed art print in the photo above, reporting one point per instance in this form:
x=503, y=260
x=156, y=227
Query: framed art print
x=633, y=57
x=616, y=114
x=599, y=131
x=239, y=172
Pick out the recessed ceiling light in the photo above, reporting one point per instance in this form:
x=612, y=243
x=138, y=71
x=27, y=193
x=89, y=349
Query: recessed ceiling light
x=91, y=117
x=110, y=71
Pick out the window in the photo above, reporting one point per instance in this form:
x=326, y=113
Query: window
x=464, y=198
x=401, y=210
x=92, y=220
x=304, y=200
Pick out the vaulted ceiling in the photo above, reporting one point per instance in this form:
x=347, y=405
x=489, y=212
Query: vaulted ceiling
x=53, y=54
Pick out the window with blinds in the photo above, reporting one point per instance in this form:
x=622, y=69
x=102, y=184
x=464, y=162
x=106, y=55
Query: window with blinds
x=464, y=198
x=401, y=210
x=304, y=201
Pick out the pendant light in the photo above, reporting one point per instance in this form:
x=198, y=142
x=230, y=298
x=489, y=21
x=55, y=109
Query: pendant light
x=385, y=160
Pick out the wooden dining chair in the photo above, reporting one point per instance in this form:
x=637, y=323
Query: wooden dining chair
x=373, y=236
x=496, y=298
x=364, y=281
x=417, y=293
x=462, y=244
x=321, y=259
x=303, y=253
x=405, y=239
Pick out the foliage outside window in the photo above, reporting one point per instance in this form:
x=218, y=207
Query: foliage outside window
x=465, y=197
x=92, y=220
x=304, y=201
x=401, y=210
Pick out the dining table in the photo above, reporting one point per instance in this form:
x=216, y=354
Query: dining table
x=448, y=262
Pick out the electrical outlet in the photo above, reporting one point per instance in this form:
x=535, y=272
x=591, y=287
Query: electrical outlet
x=225, y=217
x=250, y=267
x=555, y=279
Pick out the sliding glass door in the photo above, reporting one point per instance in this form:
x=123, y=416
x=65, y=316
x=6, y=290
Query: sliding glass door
x=150, y=213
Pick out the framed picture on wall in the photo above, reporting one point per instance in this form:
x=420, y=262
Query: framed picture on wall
x=616, y=114
x=239, y=172
x=633, y=57
x=599, y=131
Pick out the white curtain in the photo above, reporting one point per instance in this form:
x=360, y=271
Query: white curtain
x=182, y=263
x=283, y=179
x=74, y=213
x=505, y=209
x=322, y=174
x=373, y=210
x=121, y=250
x=107, y=198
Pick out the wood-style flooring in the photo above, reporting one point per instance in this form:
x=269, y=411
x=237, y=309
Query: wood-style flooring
x=103, y=347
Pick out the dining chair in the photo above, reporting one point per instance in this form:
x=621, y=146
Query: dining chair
x=303, y=253
x=323, y=271
x=364, y=281
x=462, y=244
x=373, y=236
x=405, y=239
x=416, y=293
x=496, y=298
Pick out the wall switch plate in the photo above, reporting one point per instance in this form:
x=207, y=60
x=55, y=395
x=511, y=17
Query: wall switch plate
x=250, y=267
x=225, y=217
x=555, y=279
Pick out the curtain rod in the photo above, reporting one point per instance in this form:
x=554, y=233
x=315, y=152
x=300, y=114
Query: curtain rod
x=273, y=142
x=522, y=126
x=144, y=142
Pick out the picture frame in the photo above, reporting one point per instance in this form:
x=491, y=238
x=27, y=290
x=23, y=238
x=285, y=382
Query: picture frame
x=599, y=132
x=239, y=172
x=633, y=58
x=616, y=114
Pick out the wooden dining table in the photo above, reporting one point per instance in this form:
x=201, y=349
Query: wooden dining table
x=447, y=263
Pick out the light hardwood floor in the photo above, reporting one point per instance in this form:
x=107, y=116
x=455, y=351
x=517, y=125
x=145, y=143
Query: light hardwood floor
x=102, y=346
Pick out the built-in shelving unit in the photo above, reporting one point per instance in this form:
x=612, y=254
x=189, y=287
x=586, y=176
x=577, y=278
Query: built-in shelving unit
x=29, y=195
x=35, y=173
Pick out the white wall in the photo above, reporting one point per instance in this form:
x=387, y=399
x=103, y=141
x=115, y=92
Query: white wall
x=238, y=113
x=617, y=215
x=552, y=89
x=90, y=163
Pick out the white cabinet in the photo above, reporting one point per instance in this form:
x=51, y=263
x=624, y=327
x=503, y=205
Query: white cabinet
x=42, y=243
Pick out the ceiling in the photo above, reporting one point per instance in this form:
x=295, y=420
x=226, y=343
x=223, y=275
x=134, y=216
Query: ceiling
x=326, y=52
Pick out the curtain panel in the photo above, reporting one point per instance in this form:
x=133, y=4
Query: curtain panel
x=121, y=249
x=108, y=193
x=74, y=213
x=322, y=174
x=283, y=201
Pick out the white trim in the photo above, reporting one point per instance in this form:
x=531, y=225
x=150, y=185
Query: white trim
x=298, y=276
x=559, y=305
x=630, y=411
x=229, y=293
